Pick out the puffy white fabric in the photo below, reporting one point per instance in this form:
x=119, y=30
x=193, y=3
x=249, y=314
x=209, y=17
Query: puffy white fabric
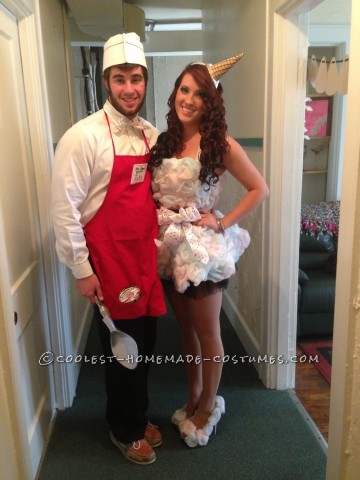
x=176, y=185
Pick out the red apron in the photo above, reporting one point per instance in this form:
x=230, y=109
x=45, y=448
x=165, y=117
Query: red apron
x=120, y=238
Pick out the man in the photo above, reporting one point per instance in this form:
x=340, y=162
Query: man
x=105, y=225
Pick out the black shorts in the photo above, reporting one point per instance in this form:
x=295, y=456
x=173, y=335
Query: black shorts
x=204, y=288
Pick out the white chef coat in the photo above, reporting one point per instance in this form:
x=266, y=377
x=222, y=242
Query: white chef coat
x=82, y=169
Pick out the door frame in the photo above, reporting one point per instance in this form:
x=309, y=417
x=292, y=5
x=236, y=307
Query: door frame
x=24, y=439
x=284, y=120
x=286, y=63
x=56, y=283
x=287, y=58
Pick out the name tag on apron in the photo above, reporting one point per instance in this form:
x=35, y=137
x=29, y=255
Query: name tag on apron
x=138, y=173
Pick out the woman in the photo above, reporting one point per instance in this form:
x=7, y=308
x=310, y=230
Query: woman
x=198, y=246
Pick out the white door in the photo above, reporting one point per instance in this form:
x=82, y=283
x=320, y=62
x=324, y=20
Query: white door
x=23, y=305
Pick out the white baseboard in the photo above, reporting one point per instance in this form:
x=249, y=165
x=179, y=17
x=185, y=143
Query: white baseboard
x=243, y=332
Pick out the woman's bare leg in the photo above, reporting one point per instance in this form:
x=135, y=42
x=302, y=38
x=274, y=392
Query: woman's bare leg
x=191, y=347
x=199, y=320
x=204, y=312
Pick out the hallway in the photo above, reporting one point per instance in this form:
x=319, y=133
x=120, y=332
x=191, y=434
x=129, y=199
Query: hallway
x=262, y=435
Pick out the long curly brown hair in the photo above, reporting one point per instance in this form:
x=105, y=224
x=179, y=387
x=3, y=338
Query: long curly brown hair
x=213, y=127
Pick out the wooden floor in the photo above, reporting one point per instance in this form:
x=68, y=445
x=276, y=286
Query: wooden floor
x=314, y=393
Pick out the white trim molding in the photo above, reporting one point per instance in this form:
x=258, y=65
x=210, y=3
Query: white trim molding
x=283, y=149
x=42, y=146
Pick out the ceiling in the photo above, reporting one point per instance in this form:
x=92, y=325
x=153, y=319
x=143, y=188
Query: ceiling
x=328, y=11
x=165, y=10
x=332, y=12
x=182, y=11
x=102, y=19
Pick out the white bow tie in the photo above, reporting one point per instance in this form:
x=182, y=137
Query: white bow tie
x=124, y=122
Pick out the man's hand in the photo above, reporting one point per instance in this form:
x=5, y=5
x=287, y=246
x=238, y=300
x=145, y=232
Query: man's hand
x=89, y=287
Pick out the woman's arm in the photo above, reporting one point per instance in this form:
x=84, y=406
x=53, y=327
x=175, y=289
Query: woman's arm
x=242, y=169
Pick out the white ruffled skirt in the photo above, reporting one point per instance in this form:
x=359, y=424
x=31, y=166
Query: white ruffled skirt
x=181, y=261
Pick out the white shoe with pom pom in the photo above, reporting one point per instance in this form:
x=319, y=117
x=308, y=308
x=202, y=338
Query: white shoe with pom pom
x=200, y=436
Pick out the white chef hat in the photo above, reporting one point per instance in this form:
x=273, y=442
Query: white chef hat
x=123, y=48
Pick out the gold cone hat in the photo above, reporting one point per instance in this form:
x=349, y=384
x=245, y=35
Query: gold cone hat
x=219, y=69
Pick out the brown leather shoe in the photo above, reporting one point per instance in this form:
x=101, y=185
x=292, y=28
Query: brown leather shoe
x=139, y=452
x=153, y=435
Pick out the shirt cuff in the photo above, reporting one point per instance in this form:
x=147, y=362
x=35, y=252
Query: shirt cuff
x=83, y=270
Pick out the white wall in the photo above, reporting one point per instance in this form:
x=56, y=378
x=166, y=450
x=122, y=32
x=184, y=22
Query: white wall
x=55, y=64
x=331, y=12
x=166, y=70
x=173, y=41
x=231, y=28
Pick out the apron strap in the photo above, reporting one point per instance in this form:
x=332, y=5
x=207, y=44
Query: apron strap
x=112, y=141
x=146, y=142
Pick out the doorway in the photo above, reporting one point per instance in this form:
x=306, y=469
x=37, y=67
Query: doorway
x=320, y=212
x=287, y=25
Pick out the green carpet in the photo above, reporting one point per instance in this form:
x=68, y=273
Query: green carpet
x=262, y=435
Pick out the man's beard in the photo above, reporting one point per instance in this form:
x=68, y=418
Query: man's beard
x=127, y=112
